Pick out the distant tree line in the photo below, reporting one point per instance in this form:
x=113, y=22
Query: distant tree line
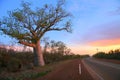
x=112, y=54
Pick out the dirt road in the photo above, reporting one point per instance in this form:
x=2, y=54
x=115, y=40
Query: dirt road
x=68, y=71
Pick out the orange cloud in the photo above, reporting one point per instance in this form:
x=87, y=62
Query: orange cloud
x=110, y=42
x=83, y=49
x=90, y=49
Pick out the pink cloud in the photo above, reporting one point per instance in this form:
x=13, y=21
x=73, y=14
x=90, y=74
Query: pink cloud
x=110, y=42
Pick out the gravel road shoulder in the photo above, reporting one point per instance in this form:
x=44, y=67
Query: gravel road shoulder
x=68, y=71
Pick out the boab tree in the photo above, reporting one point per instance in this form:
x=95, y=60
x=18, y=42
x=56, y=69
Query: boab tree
x=28, y=25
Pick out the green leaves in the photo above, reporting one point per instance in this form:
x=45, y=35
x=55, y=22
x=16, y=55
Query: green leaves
x=35, y=22
x=18, y=15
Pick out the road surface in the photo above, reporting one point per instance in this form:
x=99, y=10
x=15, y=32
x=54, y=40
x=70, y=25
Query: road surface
x=103, y=70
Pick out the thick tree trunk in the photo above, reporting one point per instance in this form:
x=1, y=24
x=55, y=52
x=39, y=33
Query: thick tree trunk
x=38, y=55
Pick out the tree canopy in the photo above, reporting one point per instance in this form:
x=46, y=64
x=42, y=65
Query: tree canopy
x=28, y=25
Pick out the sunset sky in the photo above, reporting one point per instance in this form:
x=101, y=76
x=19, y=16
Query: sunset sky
x=95, y=24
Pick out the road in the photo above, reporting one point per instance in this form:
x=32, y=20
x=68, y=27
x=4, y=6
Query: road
x=68, y=71
x=102, y=70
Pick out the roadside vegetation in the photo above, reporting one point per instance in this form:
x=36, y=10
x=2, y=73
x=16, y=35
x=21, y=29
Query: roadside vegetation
x=112, y=54
x=16, y=65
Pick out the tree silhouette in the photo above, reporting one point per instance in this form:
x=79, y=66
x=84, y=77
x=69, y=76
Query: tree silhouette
x=28, y=26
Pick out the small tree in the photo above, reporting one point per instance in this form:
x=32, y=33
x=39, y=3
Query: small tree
x=28, y=26
x=46, y=44
x=53, y=46
x=60, y=47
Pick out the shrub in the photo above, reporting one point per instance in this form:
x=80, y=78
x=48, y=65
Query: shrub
x=14, y=65
x=99, y=55
x=110, y=55
x=4, y=59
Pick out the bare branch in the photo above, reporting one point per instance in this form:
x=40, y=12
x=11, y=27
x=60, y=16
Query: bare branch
x=30, y=29
x=26, y=43
x=57, y=29
x=29, y=25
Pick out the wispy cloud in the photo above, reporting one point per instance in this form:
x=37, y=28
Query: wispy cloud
x=110, y=42
x=115, y=12
x=101, y=32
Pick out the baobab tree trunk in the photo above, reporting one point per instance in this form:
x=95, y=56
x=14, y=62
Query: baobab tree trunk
x=38, y=55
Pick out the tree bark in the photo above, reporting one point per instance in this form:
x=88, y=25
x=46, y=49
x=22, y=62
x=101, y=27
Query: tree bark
x=38, y=55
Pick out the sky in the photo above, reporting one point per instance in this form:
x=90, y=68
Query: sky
x=95, y=24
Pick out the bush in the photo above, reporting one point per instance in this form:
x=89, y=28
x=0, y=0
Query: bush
x=110, y=55
x=13, y=61
x=4, y=59
x=100, y=55
x=14, y=65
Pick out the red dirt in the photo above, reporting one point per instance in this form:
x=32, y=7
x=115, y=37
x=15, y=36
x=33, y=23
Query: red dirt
x=68, y=71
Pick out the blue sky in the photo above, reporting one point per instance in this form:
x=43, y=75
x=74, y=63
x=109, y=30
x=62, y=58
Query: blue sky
x=92, y=21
